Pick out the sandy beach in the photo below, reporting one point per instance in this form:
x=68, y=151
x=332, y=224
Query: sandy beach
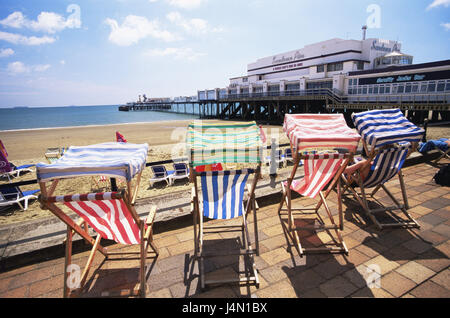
x=164, y=138
x=28, y=146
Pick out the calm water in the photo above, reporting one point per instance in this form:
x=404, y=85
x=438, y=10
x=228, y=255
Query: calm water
x=50, y=117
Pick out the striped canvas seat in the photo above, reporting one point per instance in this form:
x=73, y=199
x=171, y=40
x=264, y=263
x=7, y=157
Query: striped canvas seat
x=384, y=127
x=314, y=139
x=223, y=193
x=386, y=165
x=108, y=216
x=319, y=170
x=320, y=131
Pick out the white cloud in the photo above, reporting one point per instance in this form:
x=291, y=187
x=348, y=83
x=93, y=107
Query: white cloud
x=41, y=68
x=437, y=3
x=62, y=62
x=6, y=52
x=446, y=26
x=48, y=22
x=135, y=28
x=184, y=4
x=17, y=68
x=178, y=53
x=20, y=68
x=20, y=39
x=193, y=26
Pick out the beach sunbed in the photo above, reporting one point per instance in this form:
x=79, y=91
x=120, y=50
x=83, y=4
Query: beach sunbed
x=322, y=170
x=111, y=215
x=9, y=170
x=442, y=145
x=181, y=172
x=160, y=173
x=279, y=158
x=219, y=195
x=388, y=138
x=13, y=195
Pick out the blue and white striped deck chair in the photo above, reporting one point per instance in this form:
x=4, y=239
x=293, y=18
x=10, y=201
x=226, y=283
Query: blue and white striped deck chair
x=388, y=138
x=220, y=195
x=223, y=194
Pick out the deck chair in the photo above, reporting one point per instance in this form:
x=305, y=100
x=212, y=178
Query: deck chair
x=388, y=138
x=111, y=215
x=160, y=173
x=181, y=172
x=220, y=195
x=9, y=170
x=442, y=145
x=288, y=155
x=375, y=174
x=13, y=195
x=322, y=174
x=52, y=154
x=279, y=158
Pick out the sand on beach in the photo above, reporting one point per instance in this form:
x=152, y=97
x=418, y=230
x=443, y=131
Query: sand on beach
x=165, y=139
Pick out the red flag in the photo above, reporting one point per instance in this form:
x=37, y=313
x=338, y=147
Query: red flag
x=263, y=135
x=120, y=137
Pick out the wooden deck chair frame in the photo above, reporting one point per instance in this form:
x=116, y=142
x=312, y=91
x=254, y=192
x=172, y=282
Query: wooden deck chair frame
x=444, y=154
x=292, y=211
x=81, y=227
x=199, y=231
x=129, y=196
x=362, y=197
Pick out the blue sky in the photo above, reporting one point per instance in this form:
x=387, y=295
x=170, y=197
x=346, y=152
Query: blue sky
x=98, y=52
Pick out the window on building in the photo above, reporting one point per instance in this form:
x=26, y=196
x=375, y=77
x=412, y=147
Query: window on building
x=350, y=82
x=364, y=90
x=274, y=88
x=388, y=89
x=370, y=89
x=375, y=90
x=320, y=68
x=245, y=80
x=292, y=87
x=431, y=87
x=335, y=67
x=415, y=88
x=408, y=88
x=359, y=90
x=401, y=89
x=382, y=89
x=447, y=87
x=440, y=86
x=360, y=65
x=423, y=87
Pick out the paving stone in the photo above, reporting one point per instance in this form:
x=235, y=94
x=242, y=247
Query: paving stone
x=415, y=271
x=337, y=287
x=396, y=284
x=282, y=289
x=430, y=289
x=443, y=279
x=417, y=246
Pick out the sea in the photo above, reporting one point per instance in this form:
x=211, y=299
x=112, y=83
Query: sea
x=20, y=118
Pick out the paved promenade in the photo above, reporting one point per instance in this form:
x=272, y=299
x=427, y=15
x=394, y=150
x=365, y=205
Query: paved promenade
x=412, y=263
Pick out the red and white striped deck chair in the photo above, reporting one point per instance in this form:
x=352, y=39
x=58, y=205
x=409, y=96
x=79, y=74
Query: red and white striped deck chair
x=317, y=133
x=112, y=218
x=111, y=215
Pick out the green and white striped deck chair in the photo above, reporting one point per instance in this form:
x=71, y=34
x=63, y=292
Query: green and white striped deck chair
x=219, y=195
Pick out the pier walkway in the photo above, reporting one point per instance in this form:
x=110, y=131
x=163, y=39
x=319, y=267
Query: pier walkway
x=412, y=263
